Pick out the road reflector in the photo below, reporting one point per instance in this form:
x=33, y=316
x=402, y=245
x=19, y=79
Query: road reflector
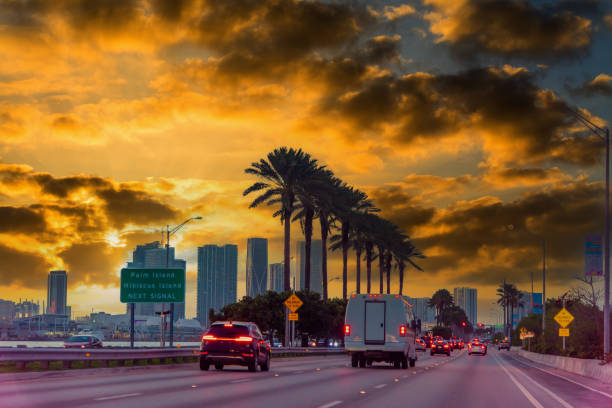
x=564, y=318
x=293, y=316
x=563, y=332
x=293, y=302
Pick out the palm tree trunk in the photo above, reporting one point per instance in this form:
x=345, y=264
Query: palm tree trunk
x=345, y=244
x=308, y=216
x=401, y=277
x=287, y=251
x=381, y=261
x=324, y=231
x=369, y=265
x=358, y=269
x=388, y=267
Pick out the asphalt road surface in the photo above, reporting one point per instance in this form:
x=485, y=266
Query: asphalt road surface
x=500, y=379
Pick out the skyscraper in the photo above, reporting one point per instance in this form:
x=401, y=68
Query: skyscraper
x=276, y=277
x=57, y=290
x=217, y=279
x=256, y=266
x=316, y=252
x=467, y=299
x=422, y=310
x=153, y=255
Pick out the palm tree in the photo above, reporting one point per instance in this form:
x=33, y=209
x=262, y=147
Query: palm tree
x=403, y=253
x=503, y=292
x=350, y=201
x=310, y=193
x=440, y=301
x=325, y=205
x=515, y=301
x=283, y=170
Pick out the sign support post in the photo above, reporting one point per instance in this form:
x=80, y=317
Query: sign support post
x=132, y=325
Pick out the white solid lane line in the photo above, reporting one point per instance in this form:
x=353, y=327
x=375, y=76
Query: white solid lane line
x=240, y=381
x=526, y=393
x=331, y=404
x=565, y=378
x=117, y=396
x=379, y=386
x=549, y=392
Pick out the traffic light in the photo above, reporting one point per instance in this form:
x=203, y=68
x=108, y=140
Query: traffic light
x=480, y=324
x=463, y=324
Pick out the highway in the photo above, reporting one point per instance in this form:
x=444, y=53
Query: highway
x=500, y=379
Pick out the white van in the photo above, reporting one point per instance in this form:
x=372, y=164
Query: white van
x=380, y=327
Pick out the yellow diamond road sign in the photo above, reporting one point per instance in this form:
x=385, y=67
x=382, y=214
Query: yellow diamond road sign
x=564, y=318
x=293, y=303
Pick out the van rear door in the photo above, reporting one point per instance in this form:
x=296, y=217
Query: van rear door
x=374, y=322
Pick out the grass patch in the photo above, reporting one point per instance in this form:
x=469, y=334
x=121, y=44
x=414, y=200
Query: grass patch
x=10, y=367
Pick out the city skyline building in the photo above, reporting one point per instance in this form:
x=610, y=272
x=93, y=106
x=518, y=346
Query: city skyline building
x=153, y=255
x=276, y=277
x=256, y=266
x=422, y=310
x=316, y=265
x=217, y=279
x=57, y=292
x=467, y=299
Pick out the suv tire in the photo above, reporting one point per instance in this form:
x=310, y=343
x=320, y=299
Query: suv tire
x=266, y=365
x=204, y=365
x=219, y=366
x=253, y=364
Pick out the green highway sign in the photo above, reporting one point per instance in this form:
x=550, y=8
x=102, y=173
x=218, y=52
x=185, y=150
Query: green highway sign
x=139, y=285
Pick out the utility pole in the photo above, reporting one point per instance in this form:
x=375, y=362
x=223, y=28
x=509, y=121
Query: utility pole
x=543, y=285
x=604, y=135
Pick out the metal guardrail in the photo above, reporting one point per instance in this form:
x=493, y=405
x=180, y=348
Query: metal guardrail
x=21, y=356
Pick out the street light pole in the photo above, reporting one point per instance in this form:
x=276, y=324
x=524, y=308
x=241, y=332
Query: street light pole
x=170, y=232
x=604, y=135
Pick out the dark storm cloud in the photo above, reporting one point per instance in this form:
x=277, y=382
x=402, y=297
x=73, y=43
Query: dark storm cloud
x=21, y=220
x=562, y=215
x=400, y=208
x=281, y=30
x=26, y=269
x=515, y=27
x=600, y=85
x=93, y=263
x=63, y=186
x=505, y=104
x=125, y=206
x=121, y=204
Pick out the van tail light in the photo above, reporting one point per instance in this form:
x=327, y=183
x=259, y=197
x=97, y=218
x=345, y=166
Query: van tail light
x=402, y=331
x=245, y=339
x=347, y=329
x=208, y=337
x=446, y=346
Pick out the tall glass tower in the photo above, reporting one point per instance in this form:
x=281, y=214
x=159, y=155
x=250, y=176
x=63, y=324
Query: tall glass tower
x=217, y=279
x=57, y=290
x=256, y=266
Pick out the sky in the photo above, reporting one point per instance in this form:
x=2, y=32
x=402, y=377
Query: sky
x=120, y=117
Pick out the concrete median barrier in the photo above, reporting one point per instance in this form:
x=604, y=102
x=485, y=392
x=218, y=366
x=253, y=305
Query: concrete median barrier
x=586, y=367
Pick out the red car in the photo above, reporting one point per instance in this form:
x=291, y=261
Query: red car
x=476, y=347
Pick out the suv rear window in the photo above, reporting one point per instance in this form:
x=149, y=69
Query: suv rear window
x=230, y=332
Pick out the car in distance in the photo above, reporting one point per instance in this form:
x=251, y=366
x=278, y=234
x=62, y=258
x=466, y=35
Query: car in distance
x=234, y=343
x=503, y=344
x=83, y=342
x=380, y=327
x=420, y=345
x=440, y=347
x=476, y=347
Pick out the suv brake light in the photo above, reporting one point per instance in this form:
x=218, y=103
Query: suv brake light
x=208, y=337
x=244, y=339
x=347, y=329
x=402, y=331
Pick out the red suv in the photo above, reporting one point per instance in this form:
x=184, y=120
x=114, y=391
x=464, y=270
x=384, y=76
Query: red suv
x=234, y=343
